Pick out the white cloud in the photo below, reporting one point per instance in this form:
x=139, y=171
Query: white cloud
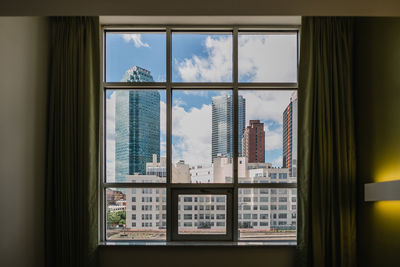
x=192, y=130
x=216, y=67
x=179, y=102
x=202, y=93
x=268, y=58
x=163, y=149
x=273, y=138
x=110, y=138
x=136, y=39
x=266, y=105
x=262, y=58
x=277, y=162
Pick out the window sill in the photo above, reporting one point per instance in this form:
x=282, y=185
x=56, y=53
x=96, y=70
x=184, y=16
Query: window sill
x=199, y=244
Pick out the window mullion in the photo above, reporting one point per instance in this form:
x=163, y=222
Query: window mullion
x=169, y=135
x=235, y=135
x=102, y=199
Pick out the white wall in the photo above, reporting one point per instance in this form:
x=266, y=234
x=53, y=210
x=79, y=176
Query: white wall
x=23, y=82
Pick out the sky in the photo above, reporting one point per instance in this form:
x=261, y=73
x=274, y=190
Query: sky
x=205, y=58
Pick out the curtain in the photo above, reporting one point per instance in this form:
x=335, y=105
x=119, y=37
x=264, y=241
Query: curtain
x=326, y=182
x=73, y=141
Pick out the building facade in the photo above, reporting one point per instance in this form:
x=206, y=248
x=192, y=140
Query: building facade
x=202, y=174
x=253, y=142
x=137, y=126
x=289, y=154
x=222, y=125
x=259, y=209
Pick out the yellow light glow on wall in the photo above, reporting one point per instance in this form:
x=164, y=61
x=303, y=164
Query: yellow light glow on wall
x=388, y=211
x=387, y=169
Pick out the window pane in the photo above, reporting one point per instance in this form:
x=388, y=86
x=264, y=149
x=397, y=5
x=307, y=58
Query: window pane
x=267, y=214
x=136, y=213
x=136, y=136
x=135, y=57
x=201, y=57
x=202, y=133
x=269, y=138
x=204, y=214
x=267, y=57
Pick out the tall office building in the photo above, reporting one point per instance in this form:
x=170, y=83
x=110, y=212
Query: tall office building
x=253, y=142
x=289, y=154
x=137, y=126
x=222, y=125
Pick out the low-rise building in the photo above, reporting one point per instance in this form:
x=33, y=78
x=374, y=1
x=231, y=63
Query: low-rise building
x=260, y=209
x=202, y=174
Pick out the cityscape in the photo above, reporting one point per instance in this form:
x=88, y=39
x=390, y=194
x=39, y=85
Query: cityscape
x=140, y=213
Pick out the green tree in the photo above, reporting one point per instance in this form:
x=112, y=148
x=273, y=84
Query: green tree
x=116, y=218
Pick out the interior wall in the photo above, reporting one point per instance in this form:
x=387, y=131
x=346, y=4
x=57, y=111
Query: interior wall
x=198, y=256
x=204, y=7
x=377, y=114
x=23, y=82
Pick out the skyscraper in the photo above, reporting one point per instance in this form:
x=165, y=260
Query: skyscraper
x=253, y=142
x=289, y=154
x=222, y=125
x=137, y=126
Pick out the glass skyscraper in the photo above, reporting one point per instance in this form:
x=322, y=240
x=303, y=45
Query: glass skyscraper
x=137, y=126
x=222, y=125
x=289, y=155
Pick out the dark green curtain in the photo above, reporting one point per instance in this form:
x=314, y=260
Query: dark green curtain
x=73, y=141
x=326, y=182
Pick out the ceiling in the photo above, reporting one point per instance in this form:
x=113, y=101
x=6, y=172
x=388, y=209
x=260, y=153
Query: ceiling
x=203, y=7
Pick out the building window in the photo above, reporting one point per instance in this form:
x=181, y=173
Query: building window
x=195, y=119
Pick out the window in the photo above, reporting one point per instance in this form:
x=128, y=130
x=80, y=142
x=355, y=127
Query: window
x=195, y=119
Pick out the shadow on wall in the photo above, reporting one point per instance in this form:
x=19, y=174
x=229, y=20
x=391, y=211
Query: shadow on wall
x=377, y=113
x=198, y=256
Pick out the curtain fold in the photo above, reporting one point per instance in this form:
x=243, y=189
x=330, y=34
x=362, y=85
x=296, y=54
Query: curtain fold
x=326, y=182
x=73, y=141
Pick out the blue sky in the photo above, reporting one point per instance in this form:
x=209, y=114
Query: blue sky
x=208, y=58
x=123, y=53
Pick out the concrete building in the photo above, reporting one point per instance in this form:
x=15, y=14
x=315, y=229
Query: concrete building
x=156, y=172
x=146, y=207
x=253, y=142
x=202, y=174
x=137, y=126
x=116, y=208
x=259, y=209
x=181, y=173
x=266, y=209
x=223, y=169
x=113, y=196
x=156, y=168
x=259, y=165
x=289, y=154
